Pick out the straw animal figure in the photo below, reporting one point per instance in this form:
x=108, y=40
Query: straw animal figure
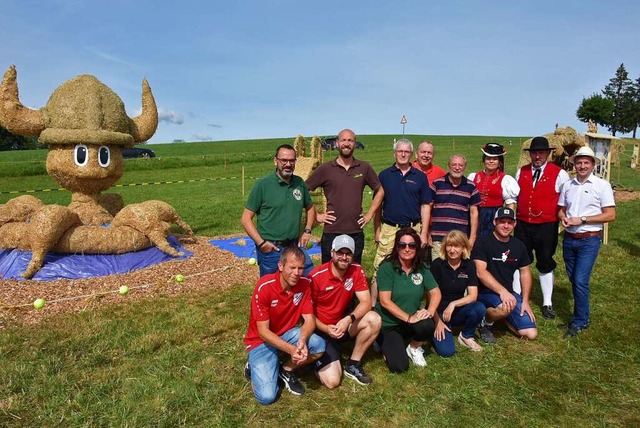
x=85, y=126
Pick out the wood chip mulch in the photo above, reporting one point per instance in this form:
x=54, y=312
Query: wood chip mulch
x=209, y=268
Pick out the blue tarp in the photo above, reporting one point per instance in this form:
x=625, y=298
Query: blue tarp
x=75, y=266
x=249, y=249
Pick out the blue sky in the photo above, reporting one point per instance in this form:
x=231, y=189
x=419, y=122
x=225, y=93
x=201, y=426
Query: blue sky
x=261, y=69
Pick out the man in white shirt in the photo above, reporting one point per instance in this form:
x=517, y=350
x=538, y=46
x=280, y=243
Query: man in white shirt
x=586, y=203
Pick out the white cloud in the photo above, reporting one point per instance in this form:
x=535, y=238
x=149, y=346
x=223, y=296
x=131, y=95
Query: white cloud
x=203, y=137
x=213, y=125
x=170, y=116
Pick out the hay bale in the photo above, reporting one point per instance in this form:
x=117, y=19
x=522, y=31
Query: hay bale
x=300, y=144
x=565, y=141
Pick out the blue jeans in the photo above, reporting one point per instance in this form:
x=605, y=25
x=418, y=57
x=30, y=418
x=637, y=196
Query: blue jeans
x=467, y=316
x=268, y=262
x=579, y=257
x=264, y=364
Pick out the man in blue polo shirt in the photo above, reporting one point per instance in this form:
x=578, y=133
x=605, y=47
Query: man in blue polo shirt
x=455, y=205
x=406, y=203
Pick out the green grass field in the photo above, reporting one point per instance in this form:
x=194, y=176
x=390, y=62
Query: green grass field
x=178, y=361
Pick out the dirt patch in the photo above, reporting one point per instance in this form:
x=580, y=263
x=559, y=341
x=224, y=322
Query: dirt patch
x=208, y=268
x=626, y=195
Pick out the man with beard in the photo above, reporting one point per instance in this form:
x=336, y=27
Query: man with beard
x=333, y=288
x=424, y=161
x=497, y=257
x=455, y=205
x=343, y=181
x=278, y=199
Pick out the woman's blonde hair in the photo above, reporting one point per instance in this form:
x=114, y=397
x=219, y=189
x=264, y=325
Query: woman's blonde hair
x=456, y=238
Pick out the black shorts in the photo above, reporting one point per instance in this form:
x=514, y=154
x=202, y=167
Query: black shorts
x=332, y=351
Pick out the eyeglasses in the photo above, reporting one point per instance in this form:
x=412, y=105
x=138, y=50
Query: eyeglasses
x=347, y=255
x=403, y=245
x=286, y=161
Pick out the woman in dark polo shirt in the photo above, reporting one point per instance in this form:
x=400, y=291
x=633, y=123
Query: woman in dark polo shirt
x=455, y=274
x=403, y=280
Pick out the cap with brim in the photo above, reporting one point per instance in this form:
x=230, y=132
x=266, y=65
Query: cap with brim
x=493, y=150
x=505, y=213
x=584, y=151
x=539, y=143
x=343, y=241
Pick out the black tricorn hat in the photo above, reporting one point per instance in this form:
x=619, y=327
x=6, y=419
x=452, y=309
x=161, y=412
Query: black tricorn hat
x=539, y=143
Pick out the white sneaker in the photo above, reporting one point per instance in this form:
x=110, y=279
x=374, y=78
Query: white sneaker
x=416, y=355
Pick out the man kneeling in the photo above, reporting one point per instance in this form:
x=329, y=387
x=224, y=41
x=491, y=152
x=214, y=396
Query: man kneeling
x=333, y=286
x=277, y=303
x=497, y=257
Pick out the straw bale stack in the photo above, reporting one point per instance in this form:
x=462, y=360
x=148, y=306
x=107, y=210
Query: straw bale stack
x=565, y=141
x=316, y=148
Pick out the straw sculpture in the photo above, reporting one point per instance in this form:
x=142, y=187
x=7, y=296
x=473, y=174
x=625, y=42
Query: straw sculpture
x=85, y=126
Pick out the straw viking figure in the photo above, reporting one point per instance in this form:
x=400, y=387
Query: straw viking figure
x=86, y=127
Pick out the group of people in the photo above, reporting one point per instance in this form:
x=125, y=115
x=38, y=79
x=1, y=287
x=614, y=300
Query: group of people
x=462, y=245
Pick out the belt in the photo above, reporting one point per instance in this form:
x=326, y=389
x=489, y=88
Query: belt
x=286, y=243
x=582, y=235
x=400, y=226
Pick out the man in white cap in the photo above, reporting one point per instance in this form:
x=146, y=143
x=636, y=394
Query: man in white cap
x=333, y=287
x=586, y=203
x=540, y=182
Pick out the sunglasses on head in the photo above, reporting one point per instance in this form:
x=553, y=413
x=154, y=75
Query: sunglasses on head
x=407, y=244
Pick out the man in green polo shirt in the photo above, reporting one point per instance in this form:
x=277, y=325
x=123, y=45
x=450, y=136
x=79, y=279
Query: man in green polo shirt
x=277, y=199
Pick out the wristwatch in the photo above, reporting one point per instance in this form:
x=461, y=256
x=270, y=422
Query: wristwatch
x=307, y=231
x=353, y=317
x=583, y=219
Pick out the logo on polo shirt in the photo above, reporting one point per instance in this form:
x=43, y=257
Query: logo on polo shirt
x=274, y=303
x=348, y=284
x=463, y=275
x=297, y=298
x=297, y=194
x=416, y=278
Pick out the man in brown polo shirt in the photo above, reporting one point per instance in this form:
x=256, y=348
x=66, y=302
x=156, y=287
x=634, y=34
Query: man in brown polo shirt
x=343, y=181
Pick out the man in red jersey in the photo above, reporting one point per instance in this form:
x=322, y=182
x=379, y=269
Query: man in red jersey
x=333, y=286
x=278, y=302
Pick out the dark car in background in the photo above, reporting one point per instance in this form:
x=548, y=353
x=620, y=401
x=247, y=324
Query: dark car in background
x=331, y=143
x=138, y=152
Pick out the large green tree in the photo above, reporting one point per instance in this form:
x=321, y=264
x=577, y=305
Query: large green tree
x=620, y=91
x=617, y=107
x=596, y=108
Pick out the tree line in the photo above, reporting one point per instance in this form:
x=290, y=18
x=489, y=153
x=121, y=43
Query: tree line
x=9, y=141
x=617, y=107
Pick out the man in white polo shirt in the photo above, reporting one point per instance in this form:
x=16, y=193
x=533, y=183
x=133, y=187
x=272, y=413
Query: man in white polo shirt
x=586, y=203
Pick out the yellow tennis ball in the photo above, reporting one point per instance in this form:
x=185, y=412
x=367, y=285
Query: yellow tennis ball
x=180, y=277
x=123, y=290
x=39, y=303
x=252, y=261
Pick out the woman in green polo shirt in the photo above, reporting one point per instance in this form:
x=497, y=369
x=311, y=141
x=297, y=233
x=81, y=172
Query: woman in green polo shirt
x=403, y=280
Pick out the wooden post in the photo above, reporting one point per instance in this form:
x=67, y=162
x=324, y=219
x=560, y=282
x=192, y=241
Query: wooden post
x=634, y=157
x=242, y=179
